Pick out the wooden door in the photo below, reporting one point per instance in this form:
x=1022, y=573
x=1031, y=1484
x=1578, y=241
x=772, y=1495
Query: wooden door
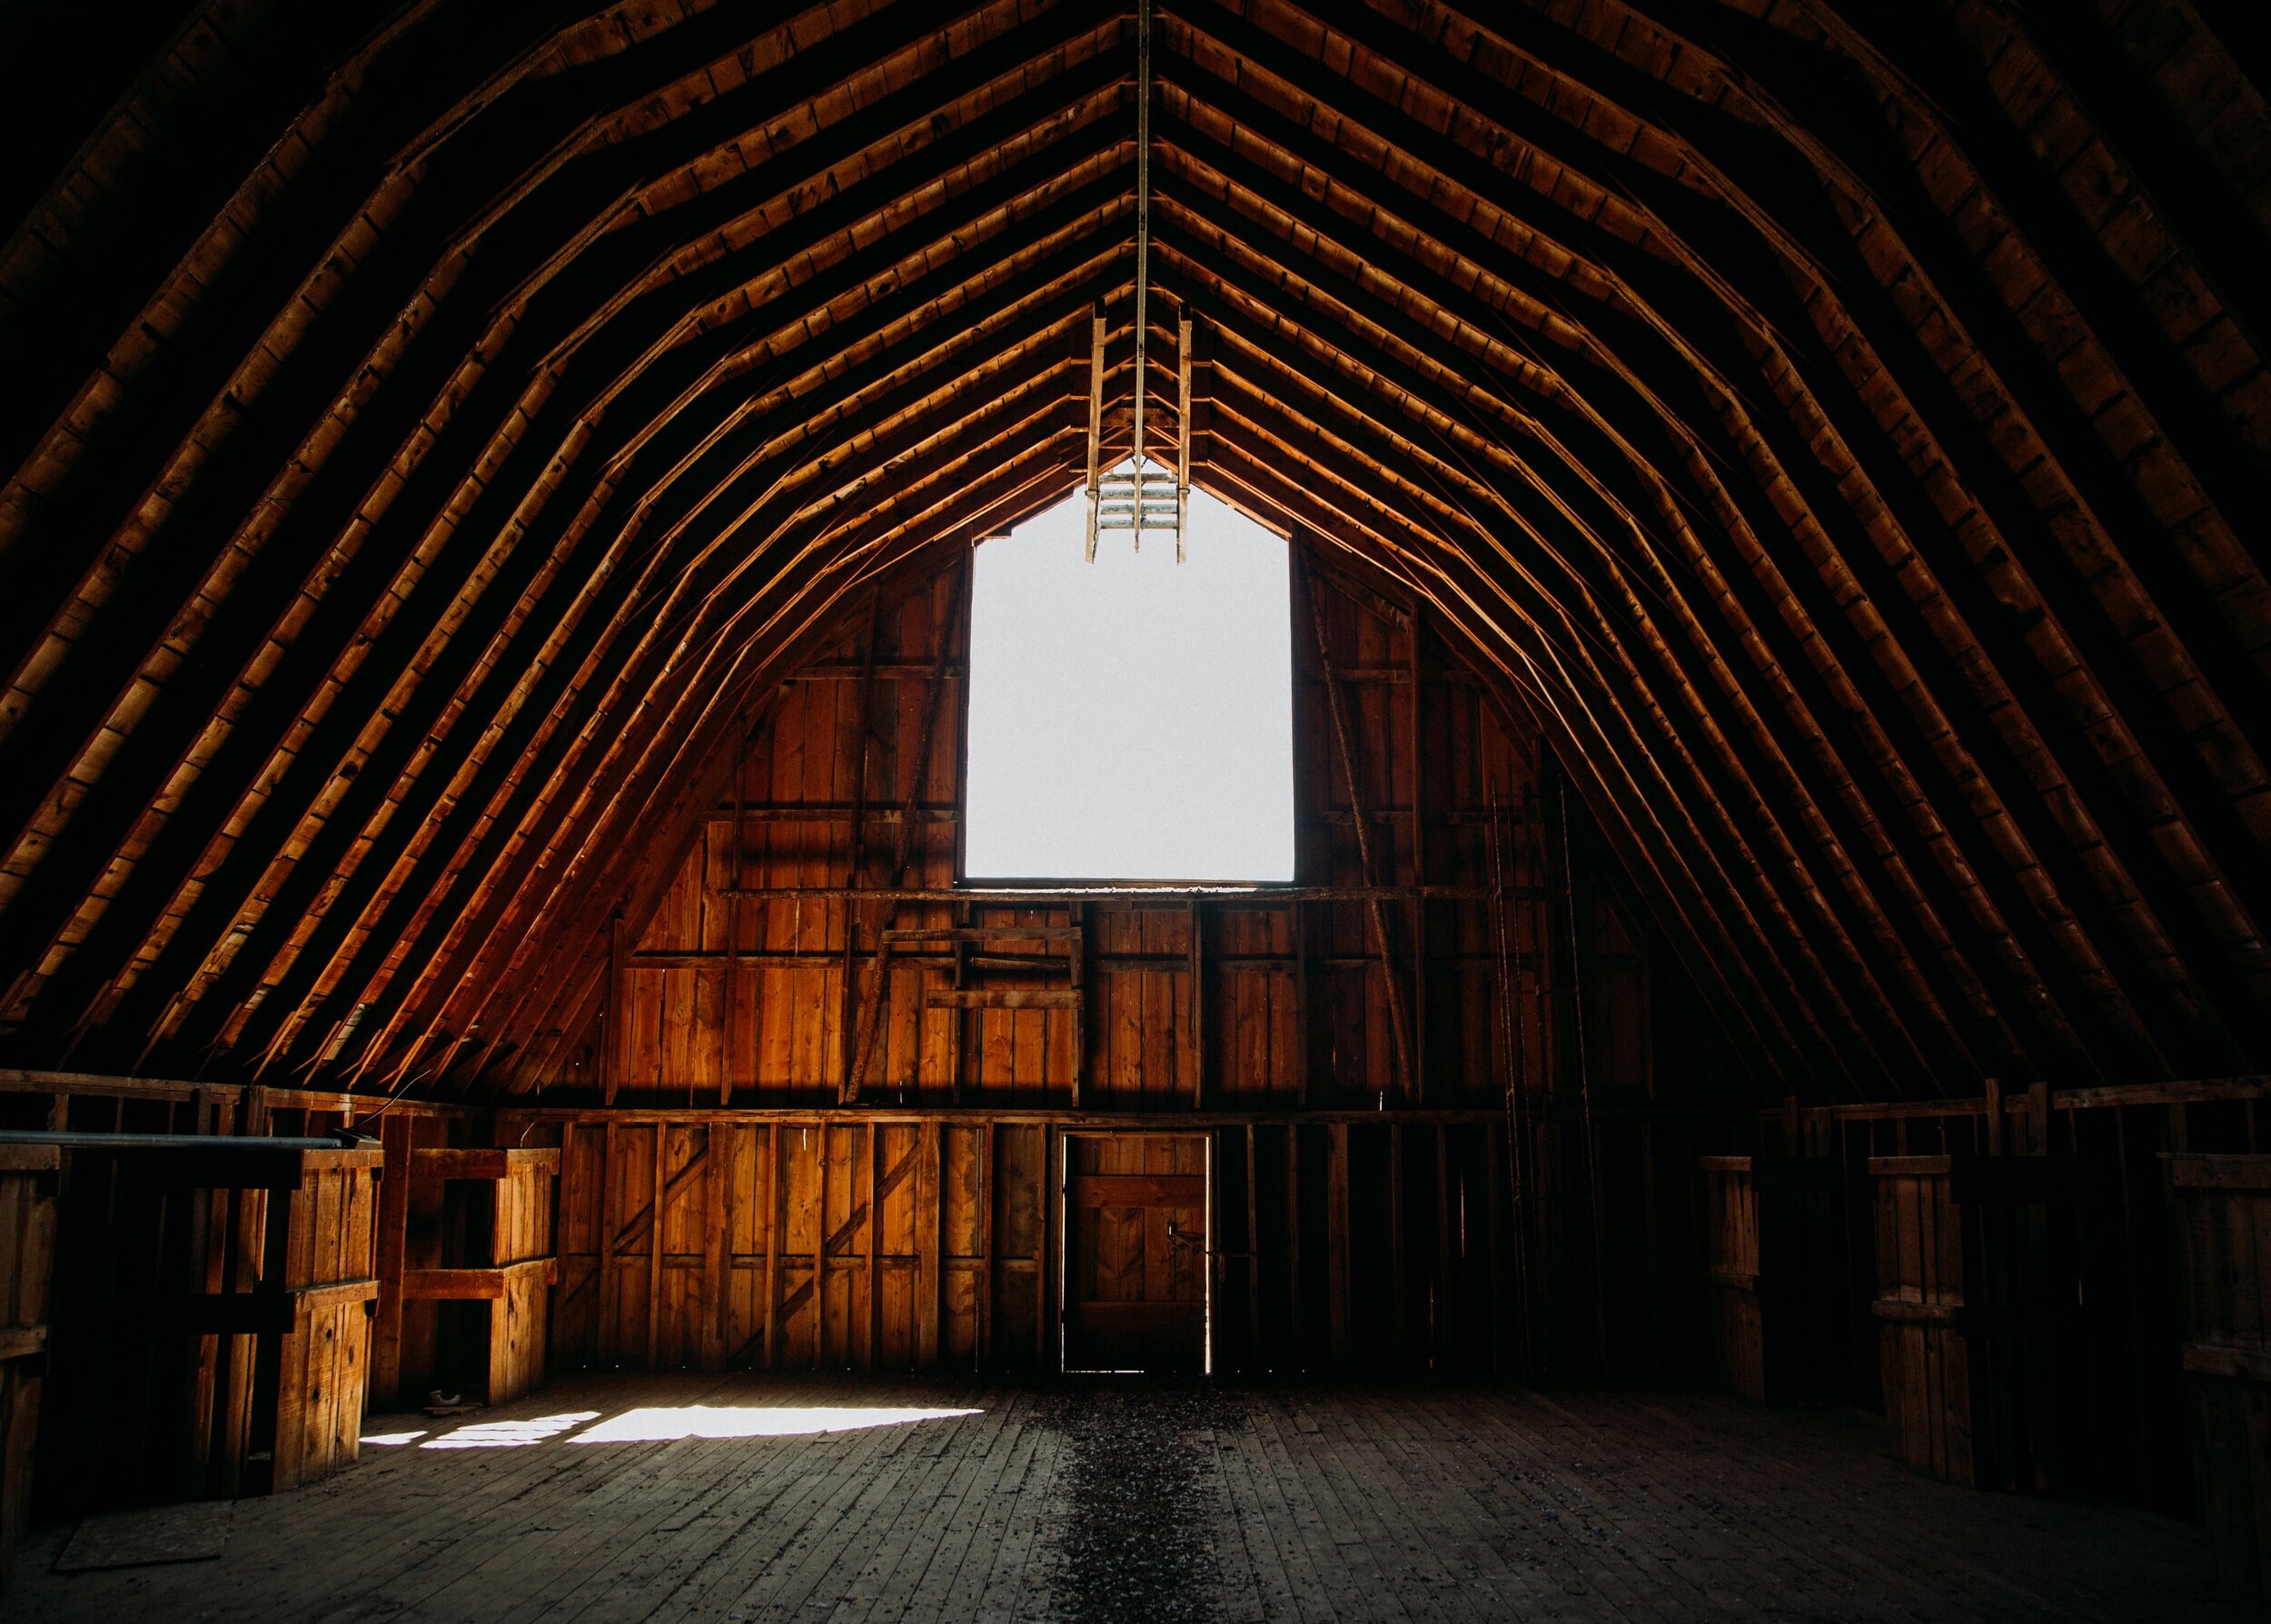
x=1135, y=1250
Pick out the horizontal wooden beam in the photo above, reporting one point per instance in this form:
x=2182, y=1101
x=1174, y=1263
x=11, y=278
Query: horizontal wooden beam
x=19, y=1080
x=266, y=1310
x=1074, y=1120
x=1136, y=1189
x=1271, y=964
x=482, y=1164
x=989, y=933
x=2191, y=1091
x=1057, y=897
x=195, y=1162
x=21, y=1341
x=473, y=1285
x=1002, y=997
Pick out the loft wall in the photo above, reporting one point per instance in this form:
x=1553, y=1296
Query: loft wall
x=1342, y=1243
x=1446, y=983
x=1489, y=1177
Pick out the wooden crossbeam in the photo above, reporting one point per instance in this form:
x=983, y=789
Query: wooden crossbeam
x=476, y=1284
x=1002, y=997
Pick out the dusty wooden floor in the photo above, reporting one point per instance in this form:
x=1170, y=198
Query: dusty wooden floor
x=1151, y=1504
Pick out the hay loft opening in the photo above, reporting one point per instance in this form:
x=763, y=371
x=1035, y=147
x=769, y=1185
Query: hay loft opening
x=1131, y=719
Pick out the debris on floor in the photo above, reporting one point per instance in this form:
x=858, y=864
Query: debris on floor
x=196, y=1532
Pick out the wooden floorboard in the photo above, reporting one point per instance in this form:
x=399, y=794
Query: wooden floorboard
x=1312, y=1503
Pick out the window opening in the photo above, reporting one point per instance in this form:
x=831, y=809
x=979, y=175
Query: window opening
x=1131, y=719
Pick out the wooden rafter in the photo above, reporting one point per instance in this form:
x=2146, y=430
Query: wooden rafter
x=1856, y=484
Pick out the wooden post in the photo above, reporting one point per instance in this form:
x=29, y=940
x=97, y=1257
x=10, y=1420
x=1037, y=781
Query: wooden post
x=1041, y=1351
x=1398, y=1023
x=986, y=1245
x=610, y=1340
x=1217, y=1279
x=960, y=1016
x=1292, y=1247
x=1498, y=1294
x=875, y=1245
x=864, y=728
x=1253, y=1261
x=871, y=1006
x=386, y=1319
x=1302, y=1039
x=819, y=1246
x=617, y=977
x=771, y=1308
x=931, y=1240
x=1079, y=953
x=717, y=1260
x=654, y=1248
x=1398, y=1301
x=733, y=922
x=1443, y=1248
x=1198, y=1005
x=1336, y=1240
x=1419, y=874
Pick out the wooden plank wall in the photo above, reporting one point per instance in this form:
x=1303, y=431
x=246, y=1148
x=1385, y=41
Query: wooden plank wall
x=519, y=1322
x=309, y=1413
x=921, y=1237
x=751, y=982
x=2125, y=1435
x=156, y=1437
x=1458, y=950
x=1343, y=1242
x=2223, y=1210
x=27, y=1248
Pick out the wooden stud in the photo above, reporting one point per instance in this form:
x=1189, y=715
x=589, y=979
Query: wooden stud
x=1441, y=1340
x=820, y=1249
x=1398, y=1299
x=1254, y=1354
x=654, y=1246
x=1336, y=1241
x=611, y=1275
x=771, y=1306
x=1398, y=1022
x=985, y=1248
x=875, y=1246
x=1195, y=921
x=1296, y=1348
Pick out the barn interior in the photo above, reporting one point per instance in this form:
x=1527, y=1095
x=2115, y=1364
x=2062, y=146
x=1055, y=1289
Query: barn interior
x=1742, y=1098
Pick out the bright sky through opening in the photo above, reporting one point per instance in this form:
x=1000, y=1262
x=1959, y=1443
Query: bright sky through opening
x=1131, y=719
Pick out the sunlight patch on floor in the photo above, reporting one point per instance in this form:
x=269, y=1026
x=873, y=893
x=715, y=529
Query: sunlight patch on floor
x=660, y=1422
x=509, y=1434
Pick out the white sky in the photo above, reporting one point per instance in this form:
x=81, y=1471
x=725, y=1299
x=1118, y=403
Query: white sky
x=1131, y=719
